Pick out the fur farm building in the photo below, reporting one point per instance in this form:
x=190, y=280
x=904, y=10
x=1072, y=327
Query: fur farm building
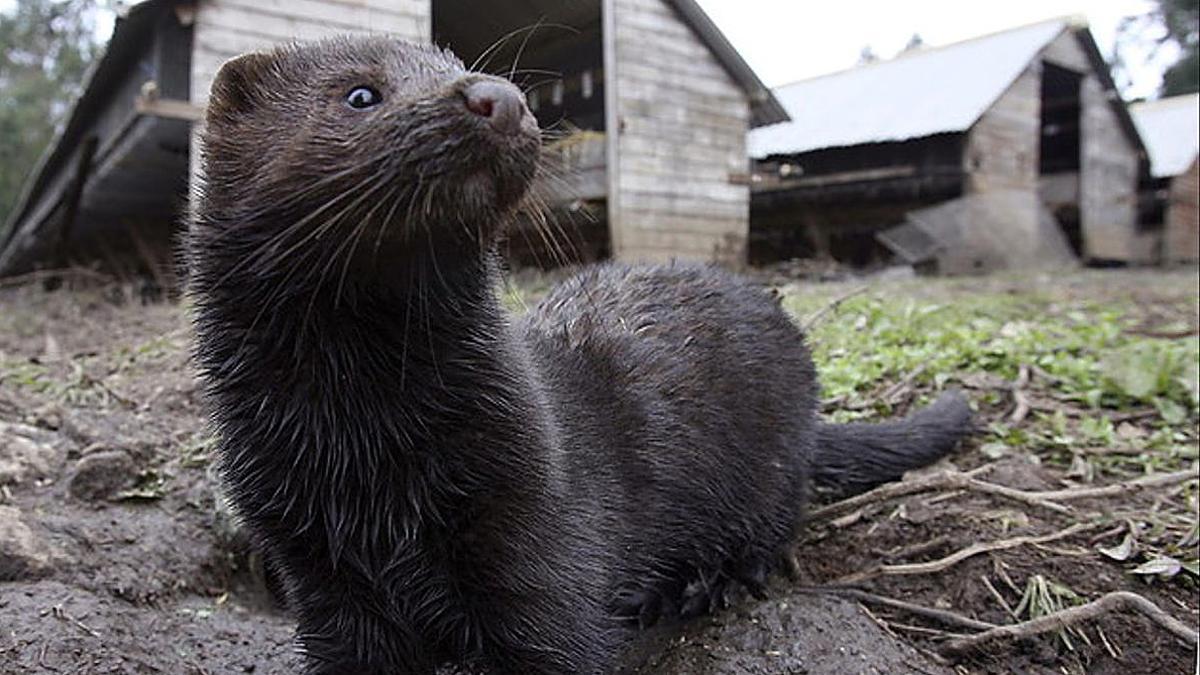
x=1008, y=150
x=1170, y=128
x=656, y=102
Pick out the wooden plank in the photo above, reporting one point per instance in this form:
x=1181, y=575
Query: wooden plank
x=1066, y=51
x=682, y=138
x=612, y=124
x=169, y=109
x=1108, y=180
x=292, y=23
x=357, y=14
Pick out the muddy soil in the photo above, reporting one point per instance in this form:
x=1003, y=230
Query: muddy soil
x=117, y=554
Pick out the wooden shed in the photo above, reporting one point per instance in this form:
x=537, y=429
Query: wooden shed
x=659, y=101
x=1023, y=126
x=1171, y=129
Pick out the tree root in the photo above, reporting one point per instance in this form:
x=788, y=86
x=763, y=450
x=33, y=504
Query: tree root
x=949, y=561
x=940, y=615
x=959, y=480
x=1066, y=618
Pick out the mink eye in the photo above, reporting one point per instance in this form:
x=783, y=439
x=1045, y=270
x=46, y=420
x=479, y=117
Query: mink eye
x=361, y=98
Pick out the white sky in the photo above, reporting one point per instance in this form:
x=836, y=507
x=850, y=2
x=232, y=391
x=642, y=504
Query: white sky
x=789, y=40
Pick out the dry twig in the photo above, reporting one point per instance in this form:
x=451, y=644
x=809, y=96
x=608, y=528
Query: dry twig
x=1020, y=400
x=42, y=275
x=958, y=480
x=833, y=305
x=937, y=481
x=940, y=615
x=1066, y=618
x=958, y=556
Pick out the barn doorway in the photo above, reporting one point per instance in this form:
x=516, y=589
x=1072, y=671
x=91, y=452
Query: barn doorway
x=1060, y=152
x=554, y=51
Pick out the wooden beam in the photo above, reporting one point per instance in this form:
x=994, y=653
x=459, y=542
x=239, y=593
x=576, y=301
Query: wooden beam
x=169, y=108
x=74, y=194
x=769, y=182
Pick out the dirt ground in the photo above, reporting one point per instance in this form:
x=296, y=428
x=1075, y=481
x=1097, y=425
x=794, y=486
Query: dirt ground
x=117, y=554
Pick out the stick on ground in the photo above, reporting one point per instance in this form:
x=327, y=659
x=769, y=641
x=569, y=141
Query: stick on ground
x=1113, y=602
x=940, y=615
x=958, y=556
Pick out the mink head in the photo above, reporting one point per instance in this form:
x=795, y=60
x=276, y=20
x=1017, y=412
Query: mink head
x=361, y=149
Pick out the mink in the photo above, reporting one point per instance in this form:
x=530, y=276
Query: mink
x=435, y=479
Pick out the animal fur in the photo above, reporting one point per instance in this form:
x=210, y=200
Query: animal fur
x=437, y=480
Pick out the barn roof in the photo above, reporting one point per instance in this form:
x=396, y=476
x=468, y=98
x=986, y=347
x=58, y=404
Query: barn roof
x=1169, y=128
x=917, y=94
x=131, y=29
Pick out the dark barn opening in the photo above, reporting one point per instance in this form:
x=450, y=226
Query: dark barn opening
x=831, y=203
x=554, y=51
x=1060, y=150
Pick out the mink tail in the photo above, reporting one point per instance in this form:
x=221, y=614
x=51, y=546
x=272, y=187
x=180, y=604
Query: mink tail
x=852, y=458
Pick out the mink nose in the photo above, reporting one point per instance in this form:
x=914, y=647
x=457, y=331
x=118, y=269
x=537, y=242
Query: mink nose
x=500, y=103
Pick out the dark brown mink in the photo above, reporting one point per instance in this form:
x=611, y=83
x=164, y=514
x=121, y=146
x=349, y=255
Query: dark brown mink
x=435, y=480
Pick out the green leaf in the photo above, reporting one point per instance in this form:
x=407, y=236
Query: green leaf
x=1133, y=372
x=1162, y=566
x=1171, y=412
x=1121, y=552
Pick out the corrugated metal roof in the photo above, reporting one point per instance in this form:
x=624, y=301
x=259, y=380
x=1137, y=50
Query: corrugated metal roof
x=917, y=94
x=1170, y=128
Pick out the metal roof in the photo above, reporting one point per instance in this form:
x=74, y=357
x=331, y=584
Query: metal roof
x=917, y=94
x=1170, y=128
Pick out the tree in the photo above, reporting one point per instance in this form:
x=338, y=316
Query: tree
x=1182, y=20
x=867, y=55
x=914, y=42
x=45, y=48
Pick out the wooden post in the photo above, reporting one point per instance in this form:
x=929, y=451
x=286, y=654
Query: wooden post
x=612, y=126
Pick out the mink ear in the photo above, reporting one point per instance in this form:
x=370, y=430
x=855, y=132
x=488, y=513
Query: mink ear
x=237, y=87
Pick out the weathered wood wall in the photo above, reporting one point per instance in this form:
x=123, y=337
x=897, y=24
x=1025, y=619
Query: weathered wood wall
x=1002, y=151
x=223, y=29
x=1109, y=167
x=226, y=28
x=677, y=133
x=1183, y=217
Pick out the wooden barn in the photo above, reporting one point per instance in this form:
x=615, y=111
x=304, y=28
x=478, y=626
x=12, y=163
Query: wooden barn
x=658, y=100
x=1170, y=128
x=1008, y=150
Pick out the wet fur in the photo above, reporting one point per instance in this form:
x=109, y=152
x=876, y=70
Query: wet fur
x=435, y=480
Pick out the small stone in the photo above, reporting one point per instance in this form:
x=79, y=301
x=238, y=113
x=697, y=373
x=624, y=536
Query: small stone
x=26, y=453
x=100, y=475
x=22, y=556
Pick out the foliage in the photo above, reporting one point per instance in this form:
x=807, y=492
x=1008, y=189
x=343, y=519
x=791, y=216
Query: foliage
x=45, y=48
x=1182, y=20
x=1142, y=37
x=1092, y=366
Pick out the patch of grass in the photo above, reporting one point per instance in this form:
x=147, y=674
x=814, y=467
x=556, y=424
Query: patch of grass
x=1089, y=365
x=25, y=374
x=151, y=485
x=1044, y=596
